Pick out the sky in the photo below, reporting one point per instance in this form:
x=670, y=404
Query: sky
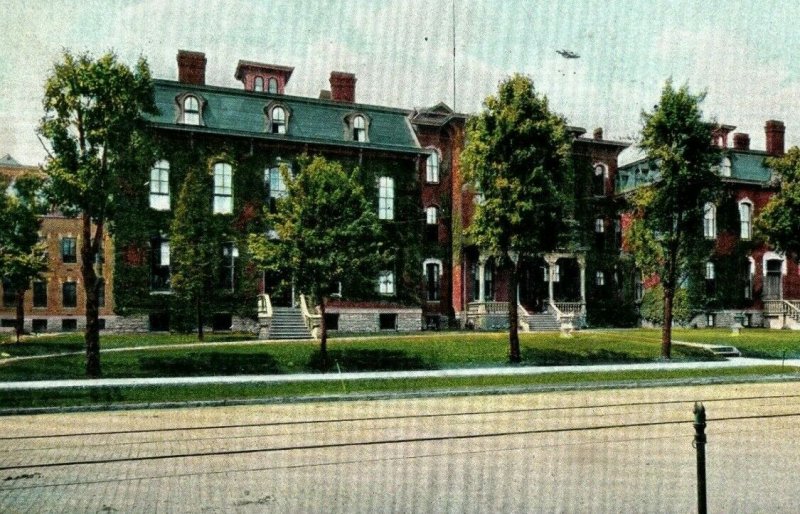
x=742, y=54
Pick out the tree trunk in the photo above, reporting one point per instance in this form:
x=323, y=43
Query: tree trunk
x=666, y=329
x=19, y=325
x=92, y=331
x=200, y=334
x=323, y=336
x=513, y=323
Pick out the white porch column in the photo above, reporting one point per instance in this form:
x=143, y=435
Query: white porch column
x=481, y=282
x=551, y=274
x=582, y=264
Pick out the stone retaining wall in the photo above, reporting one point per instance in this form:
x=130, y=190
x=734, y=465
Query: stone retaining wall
x=368, y=320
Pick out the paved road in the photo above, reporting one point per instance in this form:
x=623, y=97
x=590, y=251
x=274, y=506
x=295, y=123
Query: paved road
x=604, y=451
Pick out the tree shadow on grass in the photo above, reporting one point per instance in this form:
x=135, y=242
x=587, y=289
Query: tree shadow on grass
x=369, y=360
x=209, y=363
x=539, y=357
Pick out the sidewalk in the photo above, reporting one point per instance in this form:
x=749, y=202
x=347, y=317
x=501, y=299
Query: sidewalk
x=735, y=362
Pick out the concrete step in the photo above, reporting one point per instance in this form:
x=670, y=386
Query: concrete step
x=288, y=323
x=544, y=322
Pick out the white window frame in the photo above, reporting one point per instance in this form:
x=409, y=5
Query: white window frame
x=386, y=198
x=710, y=221
x=725, y=167
x=258, y=84
x=386, y=283
x=272, y=85
x=438, y=263
x=275, y=182
x=432, y=215
x=599, y=225
x=278, y=120
x=745, y=220
x=432, y=168
x=159, y=186
x=599, y=278
x=191, y=110
x=710, y=271
x=223, y=188
x=359, y=128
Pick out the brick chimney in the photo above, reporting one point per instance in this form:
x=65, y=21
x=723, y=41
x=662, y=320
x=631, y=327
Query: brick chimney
x=774, y=130
x=598, y=133
x=741, y=141
x=343, y=86
x=191, y=67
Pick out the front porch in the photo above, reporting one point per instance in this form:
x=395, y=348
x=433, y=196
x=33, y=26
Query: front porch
x=551, y=293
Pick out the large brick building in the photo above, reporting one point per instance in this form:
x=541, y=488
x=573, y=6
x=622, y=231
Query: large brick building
x=742, y=277
x=409, y=162
x=56, y=302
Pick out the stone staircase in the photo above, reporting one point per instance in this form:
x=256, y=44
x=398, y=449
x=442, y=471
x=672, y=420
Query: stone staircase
x=288, y=323
x=544, y=322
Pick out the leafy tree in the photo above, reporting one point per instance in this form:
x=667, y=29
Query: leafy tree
x=518, y=156
x=652, y=308
x=778, y=220
x=92, y=113
x=326, y=230
x=667, y=232
x=193, y=247
x=22, y=257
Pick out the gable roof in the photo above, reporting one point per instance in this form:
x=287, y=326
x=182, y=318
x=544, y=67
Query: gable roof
x=237, y=112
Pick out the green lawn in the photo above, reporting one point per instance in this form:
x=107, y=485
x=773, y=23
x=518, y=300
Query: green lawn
x=429, y=351
x=46, y=344
x=230, y=392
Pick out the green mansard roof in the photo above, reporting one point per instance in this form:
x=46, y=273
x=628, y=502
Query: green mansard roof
x=746, y=166
x=237, y=112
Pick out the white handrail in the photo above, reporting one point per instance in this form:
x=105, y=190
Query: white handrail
x=264, y=306
x=312, y=320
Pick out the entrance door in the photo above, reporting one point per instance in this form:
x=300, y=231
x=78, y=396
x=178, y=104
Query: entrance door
x=279, y=288
x=772, y=280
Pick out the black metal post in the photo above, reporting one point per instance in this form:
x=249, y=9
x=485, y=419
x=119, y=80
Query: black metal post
x=700, y=446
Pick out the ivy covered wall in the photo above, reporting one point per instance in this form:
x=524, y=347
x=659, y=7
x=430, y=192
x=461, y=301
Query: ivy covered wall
x=137, y=224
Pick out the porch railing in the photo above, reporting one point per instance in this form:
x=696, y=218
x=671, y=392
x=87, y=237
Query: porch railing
x=313, y=321
x=790, y=308
x=264, y=306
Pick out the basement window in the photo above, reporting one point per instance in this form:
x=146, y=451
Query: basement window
x=387, y=321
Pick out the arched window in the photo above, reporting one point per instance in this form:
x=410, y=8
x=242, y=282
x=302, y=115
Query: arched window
x=191, y=110
x=433, y=272
x=223, y=188
x=599, y=179
x=278, y=120
x=272, y=85
x=432, y=168
x=159, y=186
x=746, y=219
x=725, y=167
x=359, y=128
x=258, y=84
x=709, y=221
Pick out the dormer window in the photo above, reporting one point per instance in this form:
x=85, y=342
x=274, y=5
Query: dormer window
x=725, y=167
x=191, y=110
x=272, y=85
x=359, y=129
x=432, y=168
x=258, y=84
x=277, y=118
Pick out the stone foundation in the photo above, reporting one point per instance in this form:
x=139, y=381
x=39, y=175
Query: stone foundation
x=725, y=319
x=369, y=320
